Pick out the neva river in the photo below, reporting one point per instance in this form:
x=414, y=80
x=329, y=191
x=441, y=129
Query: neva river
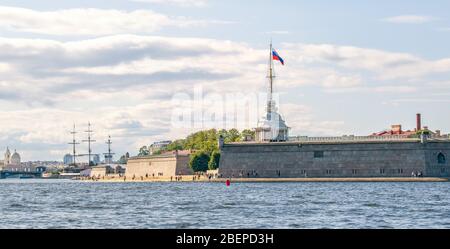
x=69, y=204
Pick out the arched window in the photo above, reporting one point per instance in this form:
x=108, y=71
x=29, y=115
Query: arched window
x=441, y=158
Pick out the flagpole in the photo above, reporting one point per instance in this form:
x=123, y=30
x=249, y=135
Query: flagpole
x=271, y=76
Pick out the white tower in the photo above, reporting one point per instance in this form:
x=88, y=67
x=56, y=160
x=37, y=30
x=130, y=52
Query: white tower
x=271, y=127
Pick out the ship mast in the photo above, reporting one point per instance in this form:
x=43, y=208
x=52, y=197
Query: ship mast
x=89, y=141
x=108, y=156
x=73, y=143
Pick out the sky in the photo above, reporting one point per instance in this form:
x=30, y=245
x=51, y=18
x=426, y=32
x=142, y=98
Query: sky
x=351, y=67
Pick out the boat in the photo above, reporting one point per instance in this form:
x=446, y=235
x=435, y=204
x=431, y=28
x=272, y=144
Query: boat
x=25, y=177
x=68, y=175
x=49, y=175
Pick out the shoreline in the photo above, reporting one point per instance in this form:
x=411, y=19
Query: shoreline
x=272, y=180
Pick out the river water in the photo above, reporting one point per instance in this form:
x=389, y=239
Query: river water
x=33, y=203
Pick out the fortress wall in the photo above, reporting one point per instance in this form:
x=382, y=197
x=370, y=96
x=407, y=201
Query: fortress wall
x=143, y=166
x=167, y=165
x=183, y=165
x=351, y=159
x=433, y=167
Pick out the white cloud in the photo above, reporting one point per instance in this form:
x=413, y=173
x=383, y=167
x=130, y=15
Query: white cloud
x=338, y=81
x=409, y=19
x=91, y=21
x=124, y=84
x=182, y=3
x=395, y=89
x=278, y=32
x=383, y=64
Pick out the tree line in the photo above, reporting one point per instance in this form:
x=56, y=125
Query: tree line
x=205, y=145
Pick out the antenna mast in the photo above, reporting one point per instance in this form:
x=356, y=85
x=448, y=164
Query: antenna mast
x=74, y=143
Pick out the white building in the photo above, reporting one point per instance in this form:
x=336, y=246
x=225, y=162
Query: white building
x=12, y=162
x=158, y=146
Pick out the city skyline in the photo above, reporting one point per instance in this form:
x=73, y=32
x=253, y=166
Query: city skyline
x=350, y=67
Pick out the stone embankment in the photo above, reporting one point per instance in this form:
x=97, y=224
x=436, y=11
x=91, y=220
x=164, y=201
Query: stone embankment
x=206, y=179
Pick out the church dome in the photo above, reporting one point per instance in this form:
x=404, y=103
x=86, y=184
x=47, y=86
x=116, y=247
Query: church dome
x=15, y=158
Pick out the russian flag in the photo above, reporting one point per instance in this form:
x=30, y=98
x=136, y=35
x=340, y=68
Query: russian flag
x=277, y=57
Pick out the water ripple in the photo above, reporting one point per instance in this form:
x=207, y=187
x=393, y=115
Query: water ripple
x=70, y=204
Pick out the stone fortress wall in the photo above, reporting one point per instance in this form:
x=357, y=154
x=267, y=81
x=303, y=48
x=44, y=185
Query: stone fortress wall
x=335, y=159
x=159, y=166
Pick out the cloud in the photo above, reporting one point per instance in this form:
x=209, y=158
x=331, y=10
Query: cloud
x=278, y=32
x=409, y=19
x=92, y=22
x=384, y=65
x=182, y=3
x=124, y=85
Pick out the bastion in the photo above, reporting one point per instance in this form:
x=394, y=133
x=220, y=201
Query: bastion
x=169, y=164
x=401, y=158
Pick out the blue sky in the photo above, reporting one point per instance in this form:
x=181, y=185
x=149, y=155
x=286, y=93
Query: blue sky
x=352, y=67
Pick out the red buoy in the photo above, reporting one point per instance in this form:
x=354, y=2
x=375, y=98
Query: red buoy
x=228, y=182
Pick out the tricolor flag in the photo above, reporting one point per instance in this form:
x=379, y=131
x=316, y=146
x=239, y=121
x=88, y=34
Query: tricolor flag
x=276, y=57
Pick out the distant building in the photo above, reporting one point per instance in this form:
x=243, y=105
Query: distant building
x=12, y=162
x=68, y=159
x=13, y=159
x=101, y=171
x=158, y=146
x=398, y=131
x=96, y=159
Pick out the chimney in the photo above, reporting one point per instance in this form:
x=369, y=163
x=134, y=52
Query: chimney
x=418, y=122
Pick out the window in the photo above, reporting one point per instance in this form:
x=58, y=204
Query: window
x=382, y=171
x=354, y=171
x=441, y=158
x=318, y=154
x=329, y=172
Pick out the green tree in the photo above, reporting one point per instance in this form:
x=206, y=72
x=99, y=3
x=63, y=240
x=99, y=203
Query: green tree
x=177, y=145
x=233, y=135
x=199, y=161
x=124, y=158
x=214, y=160
x=248, y=133
x=143, y=151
